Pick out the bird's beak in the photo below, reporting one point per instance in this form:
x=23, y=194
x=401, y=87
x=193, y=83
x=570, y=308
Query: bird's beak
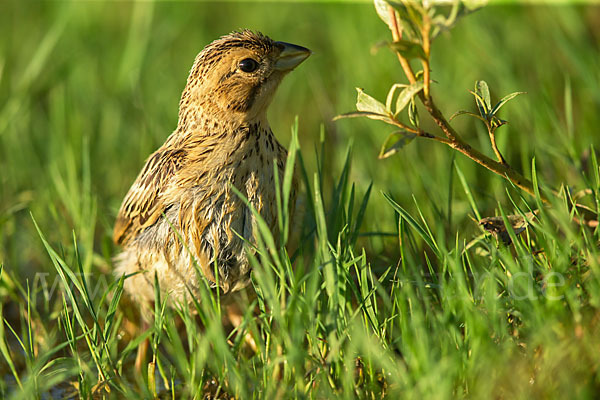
x=291, y=56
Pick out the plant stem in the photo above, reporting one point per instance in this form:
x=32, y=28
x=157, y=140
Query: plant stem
x=396, y=36
x=453, y=138
x=495, y=148
x=457, y=143
x=427, y=50
x=418, y=132
x=438, y=139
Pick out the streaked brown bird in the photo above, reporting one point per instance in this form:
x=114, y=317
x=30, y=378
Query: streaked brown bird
x=181, y=208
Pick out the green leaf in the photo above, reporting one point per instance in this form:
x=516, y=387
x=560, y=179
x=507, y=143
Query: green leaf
x=364, y=102
x=4, y=349
x=288, y=179
x=390, y=96
x=370, y=115
x=473, y=5
x=536, y=187
x=497, y=122
x=360, y=215
x=504, y=100
x=394, y=142
x=112, y=309
x=413, y=113
x=463, y=112
x=383, y=10
x=414, y=224
x=480, y=105
x=468, y=192
x=483, y=90
x=321, y=223
x=459, y=9
x=406, y=95
x=406, y=17
x=408, y=49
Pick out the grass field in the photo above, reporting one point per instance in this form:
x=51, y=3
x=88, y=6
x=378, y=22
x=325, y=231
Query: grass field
x=397, y=291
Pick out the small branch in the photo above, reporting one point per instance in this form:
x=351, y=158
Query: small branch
x=403, y=126
x=419, y=132
x=457, y=143
x=495, y=148
x=427, y=50
x=453, y=139
x=439, y=119
x=426, y=79
x=438, y=139
x=396, y=35
x=501, y=169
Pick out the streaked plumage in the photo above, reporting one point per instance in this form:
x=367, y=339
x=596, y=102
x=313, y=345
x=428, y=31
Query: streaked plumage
x=222, y=138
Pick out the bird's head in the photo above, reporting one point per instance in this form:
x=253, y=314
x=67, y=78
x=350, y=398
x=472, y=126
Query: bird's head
x=235, y=77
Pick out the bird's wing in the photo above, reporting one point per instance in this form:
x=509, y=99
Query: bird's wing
x=145, y=202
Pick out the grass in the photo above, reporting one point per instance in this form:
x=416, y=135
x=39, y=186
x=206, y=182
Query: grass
x=395, y=292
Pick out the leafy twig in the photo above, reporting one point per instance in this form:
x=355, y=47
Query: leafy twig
x=418, y=23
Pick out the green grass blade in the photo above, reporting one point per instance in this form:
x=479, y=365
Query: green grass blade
x=414, y=224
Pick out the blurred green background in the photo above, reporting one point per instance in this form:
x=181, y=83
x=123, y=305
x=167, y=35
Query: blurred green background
x=88, y=90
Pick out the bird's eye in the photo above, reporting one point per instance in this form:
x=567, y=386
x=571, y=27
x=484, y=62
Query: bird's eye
x=248, y=65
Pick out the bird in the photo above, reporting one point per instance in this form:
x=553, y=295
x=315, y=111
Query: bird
x=182, y=211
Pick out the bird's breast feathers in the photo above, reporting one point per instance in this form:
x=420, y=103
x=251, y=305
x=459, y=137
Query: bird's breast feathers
x=192, y=186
